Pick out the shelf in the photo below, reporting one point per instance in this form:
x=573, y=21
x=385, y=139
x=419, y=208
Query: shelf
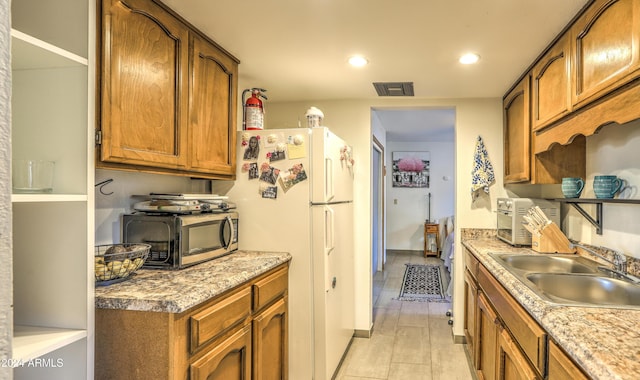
x=29, y=53
x=596, y=200
x=30, y=342
x=29, y=198
x=597, y=221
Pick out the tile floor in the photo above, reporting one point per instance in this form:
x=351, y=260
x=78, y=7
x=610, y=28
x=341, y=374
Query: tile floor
x=410, y=340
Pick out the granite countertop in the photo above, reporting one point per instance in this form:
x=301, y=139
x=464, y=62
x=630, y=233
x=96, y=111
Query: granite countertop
x=605, y=342
x=177, y=291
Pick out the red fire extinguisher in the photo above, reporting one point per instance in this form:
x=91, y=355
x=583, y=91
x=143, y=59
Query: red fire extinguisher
x=253, y=110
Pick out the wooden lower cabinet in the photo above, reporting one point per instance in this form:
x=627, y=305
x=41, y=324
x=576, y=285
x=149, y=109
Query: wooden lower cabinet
x=229, y=360
x=269, y=342
x=512, y=364
x=503, y=340
x=239, y=335
x=470, y=307
x=486, y=339
x=561, y=367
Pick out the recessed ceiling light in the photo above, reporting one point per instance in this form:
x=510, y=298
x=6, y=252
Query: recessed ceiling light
x=469, y=58
x=358, y=61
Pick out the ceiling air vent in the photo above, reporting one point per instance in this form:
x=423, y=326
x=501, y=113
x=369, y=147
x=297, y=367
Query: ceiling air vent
x=394, y=88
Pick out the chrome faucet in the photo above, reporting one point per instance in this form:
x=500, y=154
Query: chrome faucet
x=619, y=260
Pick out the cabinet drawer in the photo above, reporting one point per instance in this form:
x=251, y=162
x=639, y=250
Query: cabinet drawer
x=221, y=316
x=471, y=263
x=528, y=334
x=269, y=288
x=431, y=228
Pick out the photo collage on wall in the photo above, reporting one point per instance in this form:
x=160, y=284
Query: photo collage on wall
x=264, y=157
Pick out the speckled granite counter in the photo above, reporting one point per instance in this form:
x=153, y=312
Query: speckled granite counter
x=177, y=291
x=605, y=342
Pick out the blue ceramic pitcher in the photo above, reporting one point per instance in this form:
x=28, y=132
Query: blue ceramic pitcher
x=606, y=186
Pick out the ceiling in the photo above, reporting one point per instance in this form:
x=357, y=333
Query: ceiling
x=298, y=49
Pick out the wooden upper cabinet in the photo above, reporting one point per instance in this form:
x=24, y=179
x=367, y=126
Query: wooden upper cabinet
x=517, y=133
x=551, y=91
x=606, y=48
x=212, y=104
x=144, y=82
x=168, y=94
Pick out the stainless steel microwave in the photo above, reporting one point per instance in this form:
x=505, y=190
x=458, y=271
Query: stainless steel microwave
x=178, y=241
x=510, y=222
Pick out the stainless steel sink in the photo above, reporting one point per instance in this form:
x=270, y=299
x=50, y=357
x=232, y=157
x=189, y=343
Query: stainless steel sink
x=571, y=280
x=590, y=289
x=548, y=263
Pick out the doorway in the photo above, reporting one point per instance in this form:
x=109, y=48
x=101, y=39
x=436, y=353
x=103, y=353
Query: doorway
x=427, y=132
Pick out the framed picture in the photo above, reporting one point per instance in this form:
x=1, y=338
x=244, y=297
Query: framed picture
x=410, y=169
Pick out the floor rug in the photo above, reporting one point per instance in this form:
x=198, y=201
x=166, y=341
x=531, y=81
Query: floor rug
x=422, y=283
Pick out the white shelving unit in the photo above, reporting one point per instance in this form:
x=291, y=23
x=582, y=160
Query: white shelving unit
x=53, y=92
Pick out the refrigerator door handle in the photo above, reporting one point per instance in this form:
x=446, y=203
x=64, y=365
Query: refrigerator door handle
x=329, y=236
x=328, y=184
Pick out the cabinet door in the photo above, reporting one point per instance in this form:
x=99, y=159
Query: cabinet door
x=551, y=91
x=517, y=134
x=144, y=82
x=486, y=339
x=229, y=360
x=212, y=105
x=270, y=339
x=512, y=364
x=470, y=307
x=560, y=366
x=606, y=40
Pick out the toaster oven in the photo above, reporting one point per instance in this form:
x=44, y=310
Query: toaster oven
x=510, y=211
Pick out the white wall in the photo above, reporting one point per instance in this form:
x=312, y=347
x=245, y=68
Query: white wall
x=614, y=150
x=109, y=208
x=6, y=289
x=351, y=119
x=407, y=208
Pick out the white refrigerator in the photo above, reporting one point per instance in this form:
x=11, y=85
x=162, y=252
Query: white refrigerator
x=294, y=193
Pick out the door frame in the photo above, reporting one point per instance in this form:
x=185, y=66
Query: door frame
x=381, y=256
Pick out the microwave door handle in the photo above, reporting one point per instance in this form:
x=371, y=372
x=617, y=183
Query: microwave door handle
x=233, y=232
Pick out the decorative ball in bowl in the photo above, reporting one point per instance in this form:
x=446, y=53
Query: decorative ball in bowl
x=116, y=262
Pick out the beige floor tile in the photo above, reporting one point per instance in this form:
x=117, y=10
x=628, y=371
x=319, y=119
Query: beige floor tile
x=410, y=340
x=393, y=283
x=412, y=346
x=450, y=363
x=370, y=357
x=385, y=321
x=414, y=313
x=388, y=299
x=439, y=308
x=404, y=371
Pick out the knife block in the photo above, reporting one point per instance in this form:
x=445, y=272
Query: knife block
x=551, y=240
